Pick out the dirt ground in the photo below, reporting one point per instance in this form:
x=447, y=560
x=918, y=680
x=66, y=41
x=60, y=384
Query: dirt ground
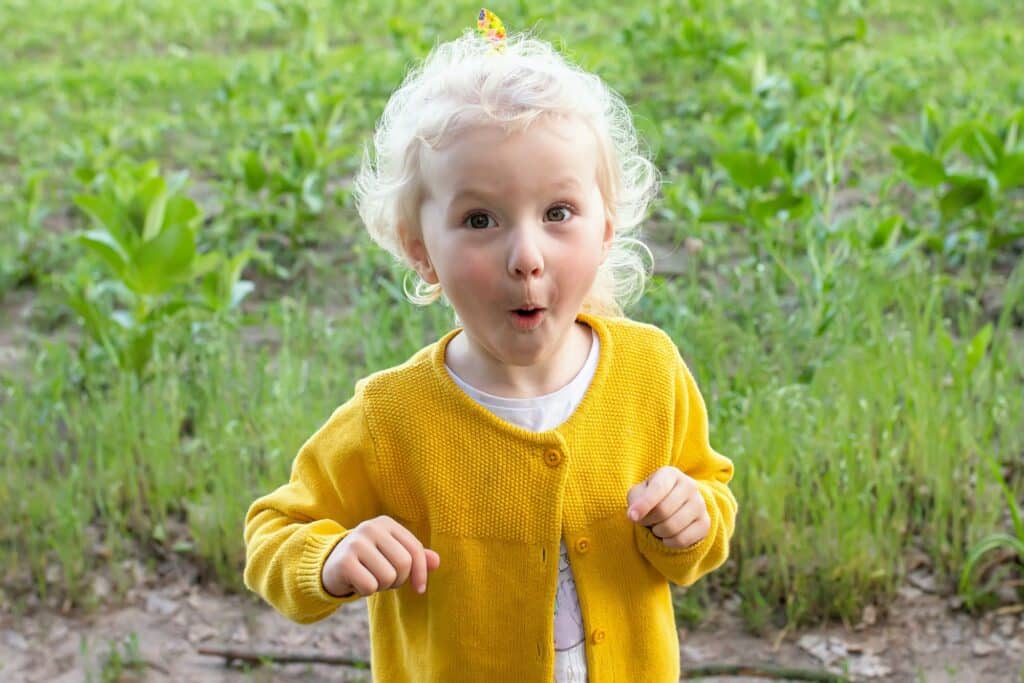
x=160, y=624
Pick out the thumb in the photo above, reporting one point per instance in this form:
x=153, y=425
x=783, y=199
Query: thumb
x=433, y=559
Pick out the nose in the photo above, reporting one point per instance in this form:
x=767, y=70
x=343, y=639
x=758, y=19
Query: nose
x=525, y=257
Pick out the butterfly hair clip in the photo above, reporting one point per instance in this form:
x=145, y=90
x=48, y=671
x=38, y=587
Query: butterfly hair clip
x=490, y=28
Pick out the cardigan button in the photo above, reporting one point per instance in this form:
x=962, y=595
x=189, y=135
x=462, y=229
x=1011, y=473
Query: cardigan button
x=553, y=458
x=598, y=636
x=582, y=545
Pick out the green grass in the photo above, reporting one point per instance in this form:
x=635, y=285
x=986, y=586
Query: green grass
x=842, y=375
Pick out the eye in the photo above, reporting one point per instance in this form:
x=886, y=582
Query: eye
x=478, y=221
x=558, y=214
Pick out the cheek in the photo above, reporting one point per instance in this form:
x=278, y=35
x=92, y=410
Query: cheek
x=469, y=272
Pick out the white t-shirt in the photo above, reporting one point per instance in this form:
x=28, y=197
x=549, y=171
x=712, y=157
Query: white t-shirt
x=539, y=414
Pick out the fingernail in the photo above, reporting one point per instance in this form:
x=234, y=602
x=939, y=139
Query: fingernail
x=634, y=515
x=421, y=588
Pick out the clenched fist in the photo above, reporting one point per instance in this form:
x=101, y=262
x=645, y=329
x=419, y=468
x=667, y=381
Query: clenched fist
x=377, y=555
x=669, y=503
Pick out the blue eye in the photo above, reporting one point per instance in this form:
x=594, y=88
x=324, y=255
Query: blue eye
x=478, y=221
x=558, y=214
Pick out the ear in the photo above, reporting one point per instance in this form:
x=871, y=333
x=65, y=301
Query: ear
x=609, y=236
x=416, y=251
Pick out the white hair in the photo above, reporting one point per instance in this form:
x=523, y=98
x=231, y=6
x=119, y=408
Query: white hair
x=466, y=82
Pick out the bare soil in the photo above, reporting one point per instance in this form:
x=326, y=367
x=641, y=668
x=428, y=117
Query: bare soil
x=155, y=631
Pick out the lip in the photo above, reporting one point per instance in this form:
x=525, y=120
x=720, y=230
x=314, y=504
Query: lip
x=528, y=322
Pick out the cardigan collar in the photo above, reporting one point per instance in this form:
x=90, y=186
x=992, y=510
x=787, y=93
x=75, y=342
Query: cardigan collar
x=451, y=391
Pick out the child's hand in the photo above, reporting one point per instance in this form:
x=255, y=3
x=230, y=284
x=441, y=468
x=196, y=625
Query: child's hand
x=377, y=555
x=669, y=503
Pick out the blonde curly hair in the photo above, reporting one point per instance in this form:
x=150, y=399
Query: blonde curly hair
x=465, y=82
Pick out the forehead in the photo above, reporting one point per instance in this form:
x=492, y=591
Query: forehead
x=549, y=151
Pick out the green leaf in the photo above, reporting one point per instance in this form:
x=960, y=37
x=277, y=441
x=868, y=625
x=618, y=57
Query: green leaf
x=311, y=194
x=104, y=213
x=793, y=205
x=719, y=212
x=976, y=349
x=750, y=170
x=254, y=172
x=920, y=167
x=165, y=260
x=182, y=210
x=886, y=233
x=1011, y=171
x=304, y=148
x=155, y=209
x=975, y=140
x=964, y=191
x=985, y=545
x=104, y=245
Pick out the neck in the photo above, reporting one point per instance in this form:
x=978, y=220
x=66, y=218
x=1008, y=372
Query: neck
x=520, y=381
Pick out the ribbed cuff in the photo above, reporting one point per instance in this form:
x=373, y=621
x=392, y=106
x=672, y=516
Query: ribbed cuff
x=310, y=567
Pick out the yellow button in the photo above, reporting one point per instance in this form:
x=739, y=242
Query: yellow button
x=553, y=458
x=598, y=636
x=582, y=545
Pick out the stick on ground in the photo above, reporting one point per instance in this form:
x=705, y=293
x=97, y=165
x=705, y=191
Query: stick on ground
x=706, y=671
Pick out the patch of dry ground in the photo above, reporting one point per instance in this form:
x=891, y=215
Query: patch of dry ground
x=921, y=640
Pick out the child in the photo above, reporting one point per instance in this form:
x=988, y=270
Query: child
x=547, y=463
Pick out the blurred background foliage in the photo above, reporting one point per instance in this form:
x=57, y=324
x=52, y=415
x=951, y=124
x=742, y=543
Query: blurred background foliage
x=186, y=291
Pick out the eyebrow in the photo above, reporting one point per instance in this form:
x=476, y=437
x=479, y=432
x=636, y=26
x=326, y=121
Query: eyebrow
x=568, y=183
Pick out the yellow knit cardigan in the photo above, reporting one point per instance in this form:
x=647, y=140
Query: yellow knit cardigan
x=494, y=501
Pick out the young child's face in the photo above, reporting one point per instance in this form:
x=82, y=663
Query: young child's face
x=513, y=221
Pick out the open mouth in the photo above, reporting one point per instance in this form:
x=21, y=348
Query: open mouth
x=527, y=318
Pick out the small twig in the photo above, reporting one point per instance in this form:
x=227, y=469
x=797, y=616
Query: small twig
x=761, y=671
x=706, y=671
x=255, y=657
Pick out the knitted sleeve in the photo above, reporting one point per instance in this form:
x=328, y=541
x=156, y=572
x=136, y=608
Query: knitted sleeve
x=290, y=532
x=694, y=456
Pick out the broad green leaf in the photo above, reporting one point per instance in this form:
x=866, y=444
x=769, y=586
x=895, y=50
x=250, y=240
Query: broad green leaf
x=1011, y=171
x=104, y=245
x=964, y=191
x=749, y=170
x=104, y=212
x=165, y=260
x=254, y=172
x=720, y=212
x=204, y=263
x=920, y=167
x=182, y=210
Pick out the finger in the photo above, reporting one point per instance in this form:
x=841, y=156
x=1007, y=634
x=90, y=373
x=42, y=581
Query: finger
x=433, y=559
x=398, y=556
x=666, y=508
x=414, y=549
x=360, y=577
x=696, y=532
x=657, y=487
x=378, y=565
x=692, y=513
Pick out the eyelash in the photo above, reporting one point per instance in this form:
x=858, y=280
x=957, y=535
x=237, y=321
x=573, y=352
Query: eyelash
x=566, y=207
